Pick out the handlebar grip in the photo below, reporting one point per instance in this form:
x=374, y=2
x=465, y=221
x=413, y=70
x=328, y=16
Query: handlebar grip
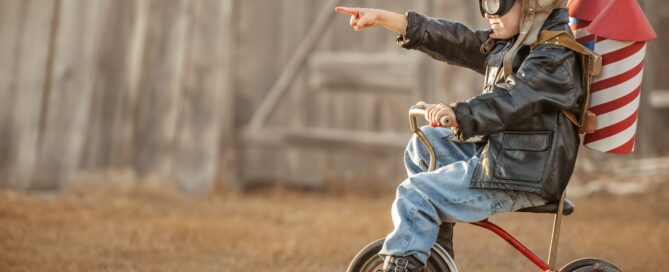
x=419, y=110
x=444, y=121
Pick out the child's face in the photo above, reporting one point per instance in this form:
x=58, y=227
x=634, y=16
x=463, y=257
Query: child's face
x=508, y=25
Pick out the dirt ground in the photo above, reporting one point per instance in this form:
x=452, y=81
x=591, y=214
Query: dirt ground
x=283, y=230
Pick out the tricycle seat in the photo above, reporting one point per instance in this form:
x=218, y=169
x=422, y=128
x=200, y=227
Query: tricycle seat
x=551, y=208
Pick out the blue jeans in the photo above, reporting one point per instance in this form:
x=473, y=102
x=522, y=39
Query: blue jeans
x=426, y=199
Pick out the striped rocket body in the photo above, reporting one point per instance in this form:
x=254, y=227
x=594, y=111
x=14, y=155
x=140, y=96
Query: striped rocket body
x=615, y=93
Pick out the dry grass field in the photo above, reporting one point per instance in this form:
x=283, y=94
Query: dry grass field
x=284, y=230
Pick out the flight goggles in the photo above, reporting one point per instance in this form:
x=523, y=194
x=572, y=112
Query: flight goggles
x=495, y=7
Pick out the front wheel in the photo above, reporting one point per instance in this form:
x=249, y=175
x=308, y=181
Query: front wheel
x=368, y=260
x=590, y=265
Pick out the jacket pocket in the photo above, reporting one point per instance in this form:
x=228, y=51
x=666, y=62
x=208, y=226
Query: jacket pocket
x=523, y=156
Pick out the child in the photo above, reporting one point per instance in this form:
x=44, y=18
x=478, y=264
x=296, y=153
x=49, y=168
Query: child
x=508, y=148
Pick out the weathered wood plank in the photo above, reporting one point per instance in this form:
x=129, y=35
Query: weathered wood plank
x=112, y=99
x=67, y=102
x=10, y=30
x=653, y=125
x=125, y=153
x=227, y=169
x=26, y=34
x=196, y=149
x=258, y=67
x=158, y=98
x=306, y=164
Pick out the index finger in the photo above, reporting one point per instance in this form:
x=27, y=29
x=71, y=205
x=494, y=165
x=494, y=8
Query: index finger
x=349, y=11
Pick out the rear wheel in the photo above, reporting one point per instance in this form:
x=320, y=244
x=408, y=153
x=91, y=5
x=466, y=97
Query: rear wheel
x=590, y=265
x=368, y=260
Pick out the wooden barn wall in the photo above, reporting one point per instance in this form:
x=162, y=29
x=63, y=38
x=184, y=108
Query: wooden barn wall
x=166, y=87
x=653, y=120
x=267, y=40
x=106, y=85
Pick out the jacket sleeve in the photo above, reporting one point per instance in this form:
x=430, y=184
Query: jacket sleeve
x=444, y=40
x=546, y=81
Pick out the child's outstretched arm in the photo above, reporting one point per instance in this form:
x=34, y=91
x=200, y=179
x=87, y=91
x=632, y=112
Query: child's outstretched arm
x=366, y=17
x=443, y=40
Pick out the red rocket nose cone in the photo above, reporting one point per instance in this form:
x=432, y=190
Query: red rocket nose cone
x=586, y=9
x=622, y=20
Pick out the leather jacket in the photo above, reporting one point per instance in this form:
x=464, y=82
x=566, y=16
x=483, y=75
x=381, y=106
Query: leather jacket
x=529, y=144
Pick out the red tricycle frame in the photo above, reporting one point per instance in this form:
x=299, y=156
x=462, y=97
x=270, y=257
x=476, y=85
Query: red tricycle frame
x=516, y=244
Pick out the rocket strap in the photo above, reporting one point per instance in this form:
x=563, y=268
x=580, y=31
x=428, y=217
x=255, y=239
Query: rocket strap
x=591, y=65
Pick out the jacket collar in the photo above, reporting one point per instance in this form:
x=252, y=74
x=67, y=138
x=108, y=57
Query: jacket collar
x=559, y=16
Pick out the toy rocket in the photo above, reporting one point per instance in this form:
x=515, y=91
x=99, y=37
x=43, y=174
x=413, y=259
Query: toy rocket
x=618, y=31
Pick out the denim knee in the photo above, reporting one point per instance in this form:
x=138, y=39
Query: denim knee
x=413, y=198
x=417, y=187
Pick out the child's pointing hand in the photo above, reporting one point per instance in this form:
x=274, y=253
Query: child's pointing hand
x=360, y=17
x=365, y=17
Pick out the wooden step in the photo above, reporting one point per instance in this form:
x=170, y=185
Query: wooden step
x=361, y=71
x=325, y=138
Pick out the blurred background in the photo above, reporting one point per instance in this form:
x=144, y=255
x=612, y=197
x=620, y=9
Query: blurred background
x=143, y=135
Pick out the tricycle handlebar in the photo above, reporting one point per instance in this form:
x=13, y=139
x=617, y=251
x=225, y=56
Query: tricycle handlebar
x=419, y=110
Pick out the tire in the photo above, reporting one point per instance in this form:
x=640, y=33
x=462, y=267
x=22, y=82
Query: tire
x=368, y=260
x=590, y=265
